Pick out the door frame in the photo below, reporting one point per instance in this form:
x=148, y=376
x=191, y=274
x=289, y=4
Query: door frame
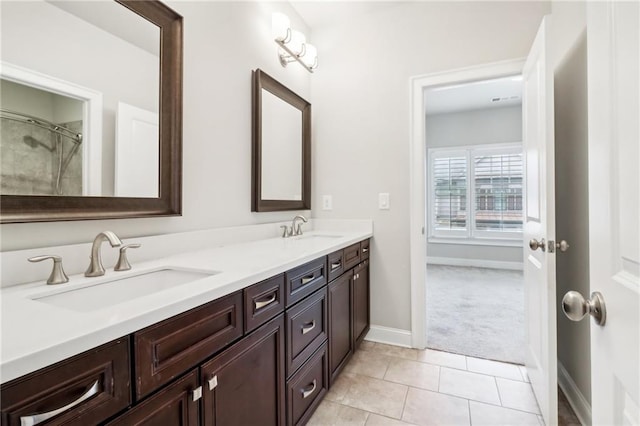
x=418, y=178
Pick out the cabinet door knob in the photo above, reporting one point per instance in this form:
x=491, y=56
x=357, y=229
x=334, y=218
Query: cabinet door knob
x=39, y=418
x=213, y=382
x=197, y=393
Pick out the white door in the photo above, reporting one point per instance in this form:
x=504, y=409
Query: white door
x=539, y=224
x=137, y=165
x=613, y=32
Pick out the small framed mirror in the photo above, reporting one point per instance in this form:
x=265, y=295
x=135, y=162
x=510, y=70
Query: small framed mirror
x=281, y=132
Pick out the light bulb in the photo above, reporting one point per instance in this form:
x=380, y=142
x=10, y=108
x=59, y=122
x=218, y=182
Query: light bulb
x=280, y=26
x=296, y=44
x=310, y=57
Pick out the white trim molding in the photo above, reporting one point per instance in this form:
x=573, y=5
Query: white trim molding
x=388, y=335
x=576, y=399
x=417, y=178
x=478, y=263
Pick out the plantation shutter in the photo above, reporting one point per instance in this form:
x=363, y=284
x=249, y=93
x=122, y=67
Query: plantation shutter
x=498, y=192
x=449, y=176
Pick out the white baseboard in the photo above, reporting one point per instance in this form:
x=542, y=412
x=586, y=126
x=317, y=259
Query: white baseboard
x=494, y=264
x=577, y=401
x=388, y=335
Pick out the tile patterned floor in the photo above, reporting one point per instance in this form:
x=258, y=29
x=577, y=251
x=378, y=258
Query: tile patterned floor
x=390, y=385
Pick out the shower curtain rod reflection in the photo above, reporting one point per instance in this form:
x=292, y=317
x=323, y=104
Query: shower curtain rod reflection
x=42, y=123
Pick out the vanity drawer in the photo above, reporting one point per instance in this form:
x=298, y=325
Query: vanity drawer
x=351, y=256
x=364, y=249
x=263, y=301
x=307, y=387
x=93, y=386
x=305, y=279
x=165, y=350
x=335, y=264
x=306, y=329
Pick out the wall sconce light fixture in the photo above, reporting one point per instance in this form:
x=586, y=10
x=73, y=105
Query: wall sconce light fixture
x=293, y=44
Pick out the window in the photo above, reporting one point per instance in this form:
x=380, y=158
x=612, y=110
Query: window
x=476, y=192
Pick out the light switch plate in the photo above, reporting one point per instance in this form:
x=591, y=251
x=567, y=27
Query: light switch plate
x=383, y=201
x=327, y=202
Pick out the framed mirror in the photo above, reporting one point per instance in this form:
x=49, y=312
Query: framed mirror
x=91, y=129
x=281, y=132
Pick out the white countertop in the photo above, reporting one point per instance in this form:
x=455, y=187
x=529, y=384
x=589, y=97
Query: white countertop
x=36, y=334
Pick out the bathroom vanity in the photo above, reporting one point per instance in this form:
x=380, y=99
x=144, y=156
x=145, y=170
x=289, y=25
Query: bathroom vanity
x=262, y=347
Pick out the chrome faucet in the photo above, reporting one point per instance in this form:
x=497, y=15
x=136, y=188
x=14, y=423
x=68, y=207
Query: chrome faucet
x=95, y=268
x=297, y=230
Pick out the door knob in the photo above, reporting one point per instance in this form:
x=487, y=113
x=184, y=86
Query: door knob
x=535, y=244
x=562, y=245
x=575, y=307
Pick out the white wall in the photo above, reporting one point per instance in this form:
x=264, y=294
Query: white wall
x=572, y=192
x=476, y=127
x=223, y=42
x=361, y=101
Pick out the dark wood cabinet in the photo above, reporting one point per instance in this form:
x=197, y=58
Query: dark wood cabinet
x=306, y=325
x=245, y=384
x=167, y=349
x=305, y=279
x=340, y=295
x=263, y=301
x=175, y=405
x=307, y=387
x=361, y=313
x=351, y=256
x=264, y=355
x=85, y=389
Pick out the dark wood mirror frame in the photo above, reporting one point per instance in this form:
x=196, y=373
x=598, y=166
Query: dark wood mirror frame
x=18, y=208
x=262, y=80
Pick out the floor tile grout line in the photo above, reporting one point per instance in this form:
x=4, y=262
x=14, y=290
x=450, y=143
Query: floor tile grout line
x=404, y=403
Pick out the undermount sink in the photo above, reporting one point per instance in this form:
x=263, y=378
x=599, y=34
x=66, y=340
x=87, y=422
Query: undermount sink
x=117, y=290
x=316, y=236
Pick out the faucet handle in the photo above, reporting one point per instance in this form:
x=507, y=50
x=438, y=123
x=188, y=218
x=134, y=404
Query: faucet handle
x=123, y=263
x=57, y=274
x=285, y=231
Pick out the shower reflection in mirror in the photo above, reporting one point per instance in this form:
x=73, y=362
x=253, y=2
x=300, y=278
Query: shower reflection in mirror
x=40, y=142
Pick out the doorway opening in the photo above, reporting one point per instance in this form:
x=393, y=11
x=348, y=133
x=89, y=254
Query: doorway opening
x=474, y=216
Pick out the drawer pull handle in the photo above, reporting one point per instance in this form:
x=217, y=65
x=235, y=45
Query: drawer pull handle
x=308, y=279
x=213, y=382
x=365, y=249
x=336, y=265
x=306, y=393
x=308, y=327
x=260, y=305
x=39, y=418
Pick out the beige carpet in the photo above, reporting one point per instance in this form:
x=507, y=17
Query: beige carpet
x=476, y=311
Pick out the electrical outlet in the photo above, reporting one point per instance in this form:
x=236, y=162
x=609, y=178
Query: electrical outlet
x=327, y=202
x=383, y=201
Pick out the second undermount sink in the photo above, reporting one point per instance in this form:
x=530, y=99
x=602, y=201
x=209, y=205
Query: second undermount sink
x=115, y=290
x=316, y=236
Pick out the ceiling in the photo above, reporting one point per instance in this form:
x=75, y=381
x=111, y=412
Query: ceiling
x=496, y=93
x=325, y=13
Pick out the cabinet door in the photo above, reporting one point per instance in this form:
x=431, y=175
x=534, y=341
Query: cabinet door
x=340, y=323
x=360, y=302
x=245, y=384
x=174, y=405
